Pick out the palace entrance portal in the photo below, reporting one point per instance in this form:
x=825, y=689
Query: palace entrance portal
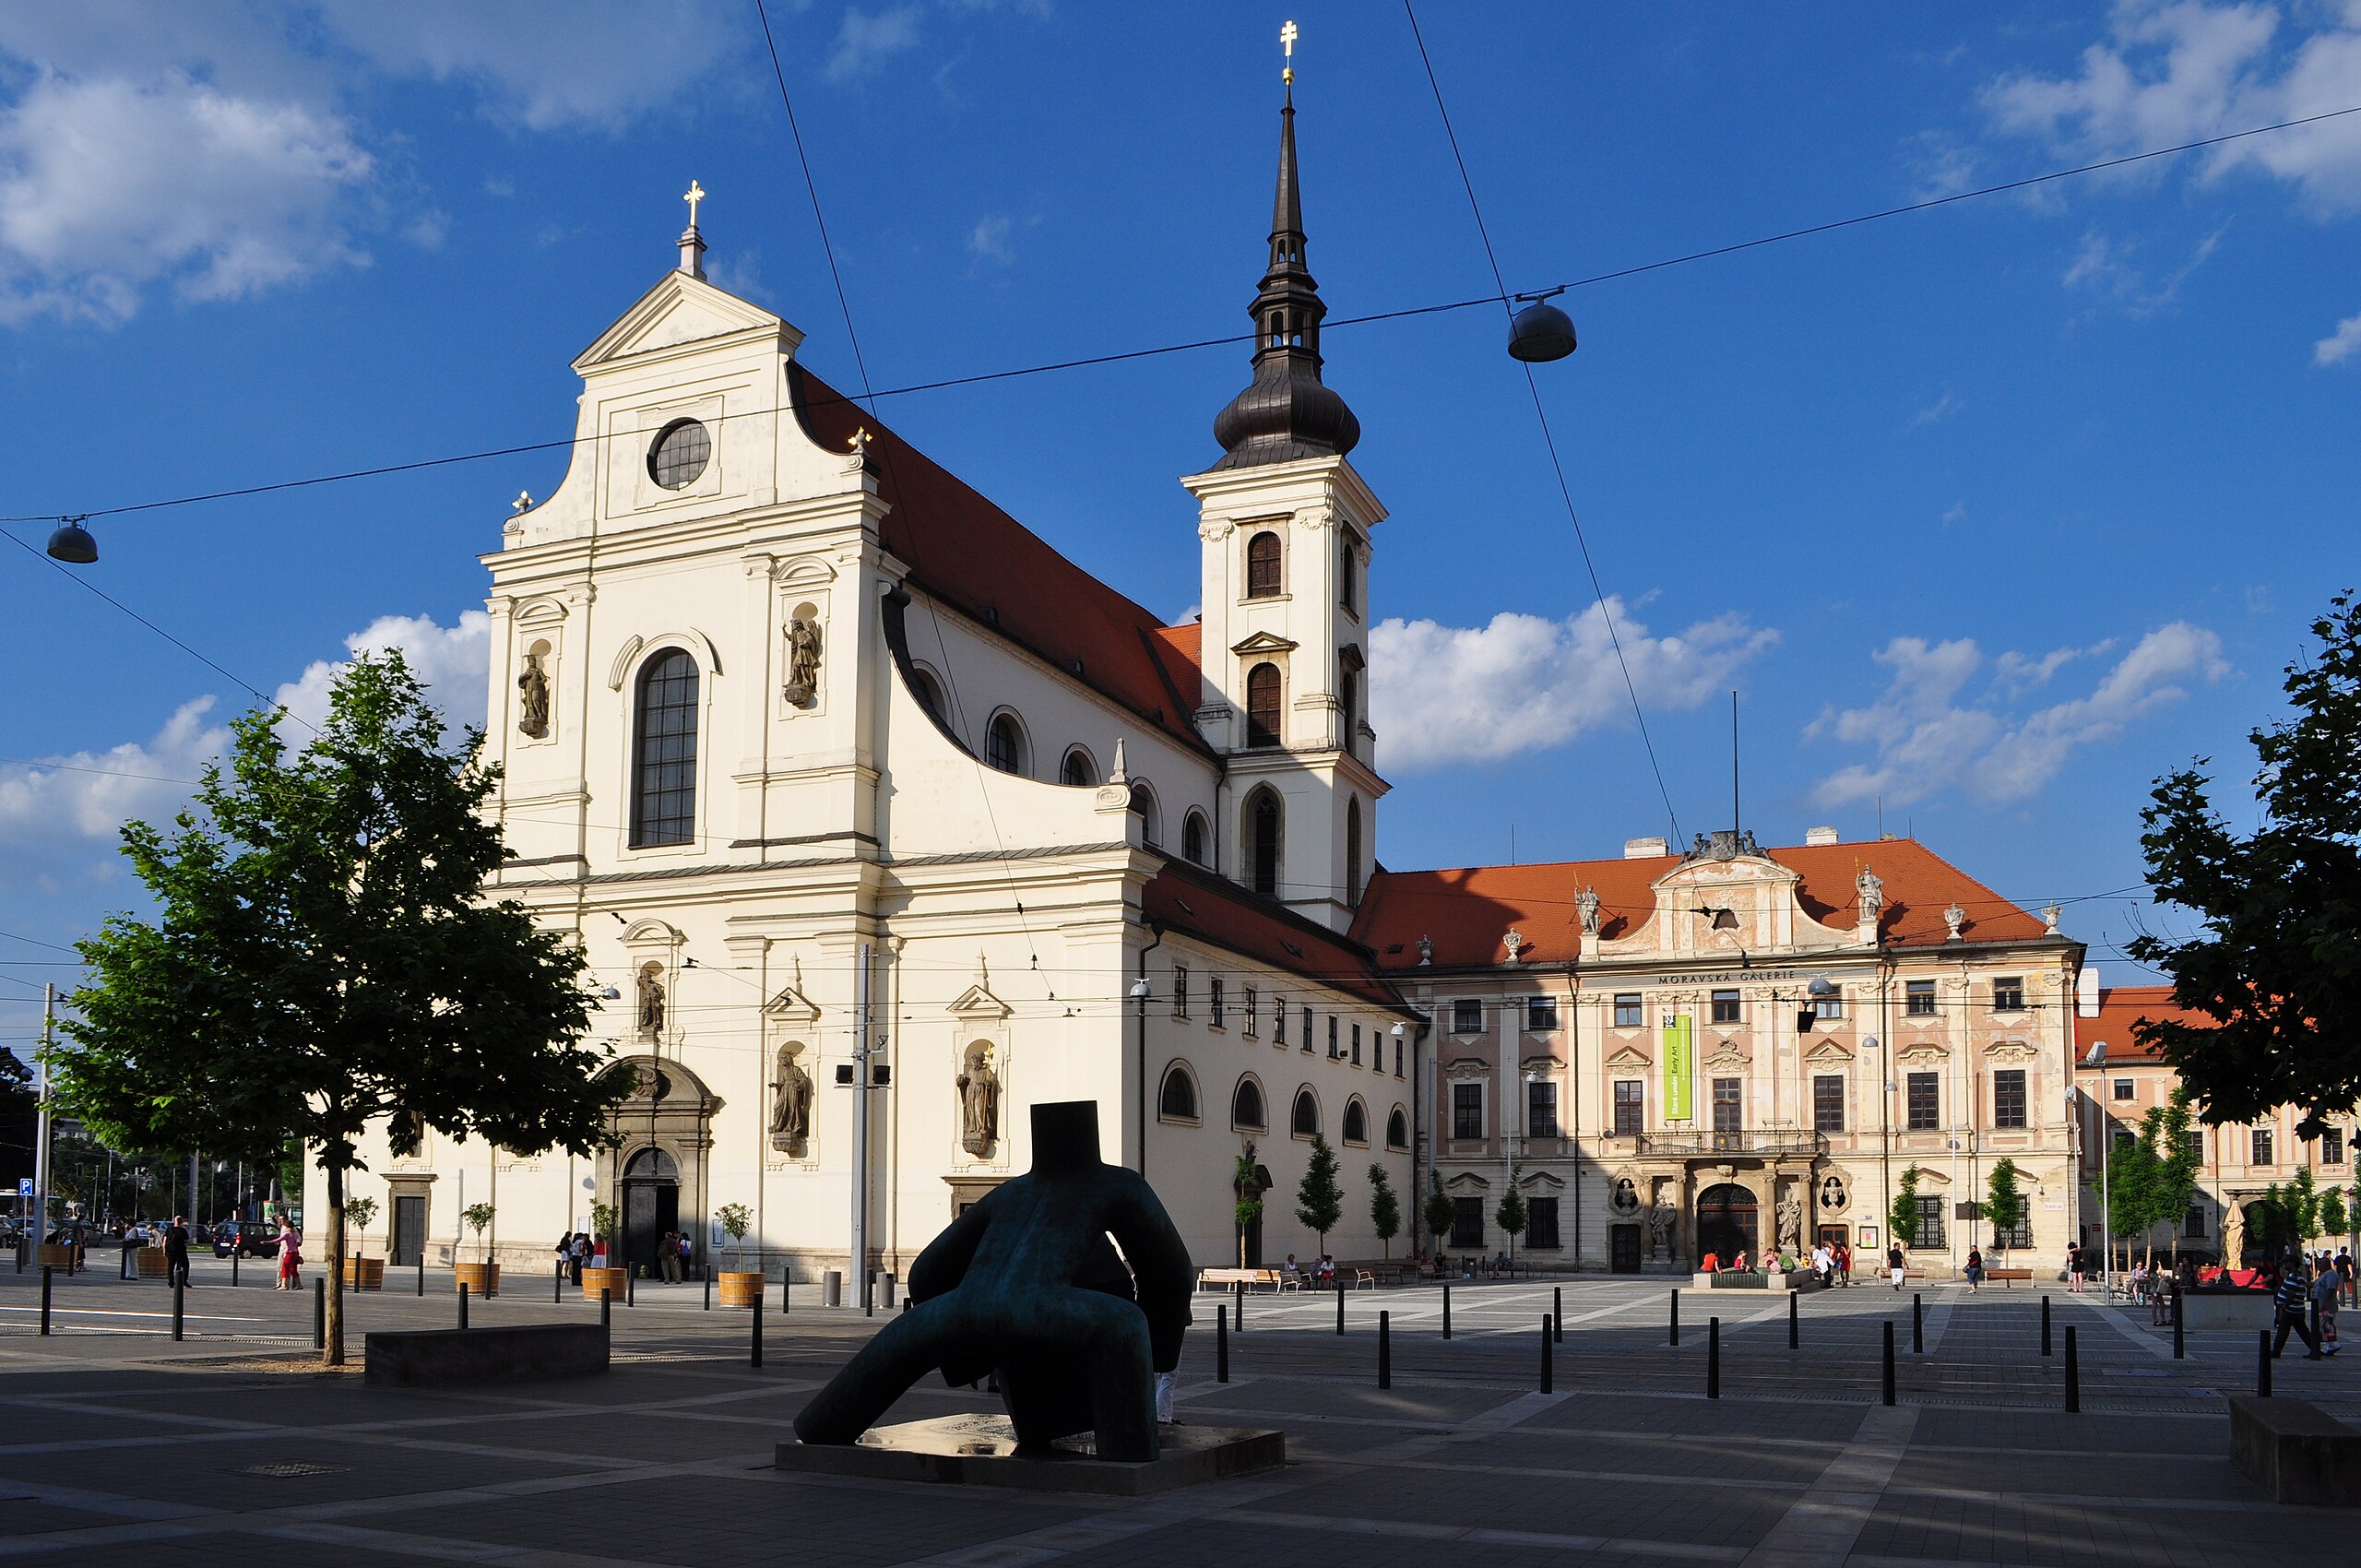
x=1725, y=1222
x=651, y=1205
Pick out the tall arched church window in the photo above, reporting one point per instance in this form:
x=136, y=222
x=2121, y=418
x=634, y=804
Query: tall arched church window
x=1246, y=1112
x=1151, y=819
x=929, y=691
x=1193, y=848
x=1353, y=853
x=1265, y=823
x=1263, y=690
x=1348, y=698
x=664, y=751
x=1004, y=744
x=1398, y=1129
x=1078, y=768
x=1346, y=561
x=1263, y=579
x=1356, y=1128
x=1178, y=1098
x=1305, y=1123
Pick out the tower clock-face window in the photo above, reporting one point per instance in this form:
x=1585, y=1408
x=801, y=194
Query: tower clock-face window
x=680, y=454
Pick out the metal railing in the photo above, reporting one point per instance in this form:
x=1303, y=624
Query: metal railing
x=1762, y=1141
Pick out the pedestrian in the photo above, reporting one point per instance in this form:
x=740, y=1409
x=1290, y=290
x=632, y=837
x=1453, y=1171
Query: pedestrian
x=688, y=1254
x=135, y=1236
x=564, y=1251
x=2344, y=1274
x=668, y=1256
x=2326, y=1289
x=290, y=1259
x=176, y=1253
x=2291, y=1303
x=1975, y=1270
x=2075, y=1264
x=1896, y=1264
x=577, y=1256
x=1845, y=1264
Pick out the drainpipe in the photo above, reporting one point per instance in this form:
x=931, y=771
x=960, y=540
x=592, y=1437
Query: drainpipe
x=1141, y=990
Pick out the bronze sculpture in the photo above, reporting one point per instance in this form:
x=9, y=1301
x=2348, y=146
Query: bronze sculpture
x=1025, y=1285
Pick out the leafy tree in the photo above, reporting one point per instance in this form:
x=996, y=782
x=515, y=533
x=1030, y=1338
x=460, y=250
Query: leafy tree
x=2004, y=1205
x=1246, y=1191
x=325, y=957
x=2273, y=968
x=1384, y=1207
x=2131, y=1182
x=2176, y=1162
x=1513, y=1215
x=1901, y=1216
x=604, y=1217
x=2334, y=1218
x=1319, y=1201
x=736, y=1220
x=477, y=1217
x=358, y=1213
x=1440, y=1210
x=2303, y=1200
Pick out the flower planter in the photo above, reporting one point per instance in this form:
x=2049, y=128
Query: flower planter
x=738, y=1288
x=480, y=1278
x=616, y=1282
x=56, y=1254
x=364, y=1273
x=151, y=1264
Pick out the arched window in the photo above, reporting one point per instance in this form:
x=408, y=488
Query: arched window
x=1262, y=697
x=1346, y=560
x=1353, y=853
x=1193, y=848
x=1178, y=1099
x=1151, y=819
x=1078, y=769
x=1246, y=1112
x=1306, y=1121
x=929, y=691
x=1398, y=1129
x=1004, y=744
x=1356, y=1121
x=664, y=751
x=1264, y=826
x=1348, y=699
x=1263, y=578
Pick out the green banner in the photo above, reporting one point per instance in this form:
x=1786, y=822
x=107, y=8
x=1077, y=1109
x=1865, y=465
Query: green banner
x=1679, y=1068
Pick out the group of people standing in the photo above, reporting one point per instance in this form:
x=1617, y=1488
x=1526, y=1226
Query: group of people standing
x=577, y=1251
x=2310, y=1289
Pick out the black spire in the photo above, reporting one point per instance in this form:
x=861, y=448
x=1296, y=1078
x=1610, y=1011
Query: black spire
x=1286, y=413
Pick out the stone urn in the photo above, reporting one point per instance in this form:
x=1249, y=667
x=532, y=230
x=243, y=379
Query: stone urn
x=364, y=1273
x=738, y=1288
x=616, y=1282
x=480, y=1278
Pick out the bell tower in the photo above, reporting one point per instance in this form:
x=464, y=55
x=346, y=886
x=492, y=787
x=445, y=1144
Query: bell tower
x=1285, y=525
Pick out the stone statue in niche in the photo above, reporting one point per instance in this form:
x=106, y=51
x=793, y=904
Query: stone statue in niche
x=1024, y=1285
x=791, y=1103
x=1831, y=1193
x=1627, y=1195
x=533, y=698
x=802, y=660
x=651, y=1002
x=1586, y=906
x=1659, y=1224
x=1791, y=1221
x=1868, y=890
x=978, y=1104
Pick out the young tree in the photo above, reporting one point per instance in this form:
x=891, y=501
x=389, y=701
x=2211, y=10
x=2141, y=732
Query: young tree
x=2303, y=1202
x=1319, y=1201
x=358, y=1213
x=1384, y=1207
x=1246, y=1193
x=1440, y=1212
x=1901, y=1216
x=2004, y=1205
x=1512, y=1214
x=324, y=956
x=2334, y=1218
x=479, y=1217
x=2130, y=1193
x=2176, y=1162
x=2279, y=912
x=736, y=1220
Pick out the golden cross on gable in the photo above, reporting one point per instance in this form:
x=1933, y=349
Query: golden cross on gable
x=860, y=439
x=1288, y=36
x=695, y=194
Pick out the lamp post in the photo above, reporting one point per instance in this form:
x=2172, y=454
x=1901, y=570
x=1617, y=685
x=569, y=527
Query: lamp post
x=2096, y=1057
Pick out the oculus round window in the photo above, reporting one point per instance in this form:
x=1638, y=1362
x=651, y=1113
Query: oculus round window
x=680, y=454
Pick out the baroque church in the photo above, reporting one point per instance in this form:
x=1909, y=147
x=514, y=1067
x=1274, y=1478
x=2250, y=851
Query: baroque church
x=880, y=821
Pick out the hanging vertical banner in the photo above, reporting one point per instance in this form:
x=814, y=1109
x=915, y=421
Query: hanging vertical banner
x=1679, y=1068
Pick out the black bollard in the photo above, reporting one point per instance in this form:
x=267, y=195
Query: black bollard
x=2073, y=1375
x=1221, y=1343
x=421, y=1269
x=319, y=1314
x=1549, y=1372
x=1712, y=1358
x=2261, y=1363
x=1340, y=1305
x=1446, y=1311
x=631, y=1287
x=557, y=1288
x=176, y=1308
x=1676, y=1314
x=463, y=1303
x=707, y=1276
x=44, y=1298
x=2177, y=1348
x=234, y=1268
x=2045, y=1325
x=1240, y=1312
x=1794, y=1330
x=1385, y=1349
x=755, y=1343
x=1886, y=1392
x=1918, y=1324
x=606, y=1309
x=1557, y=1313
x=786, y=1287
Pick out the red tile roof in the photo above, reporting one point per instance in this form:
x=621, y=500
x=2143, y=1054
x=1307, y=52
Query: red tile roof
x=1214, y=910
x=1469, y=910
x=2121, y=1006
x=967, y=552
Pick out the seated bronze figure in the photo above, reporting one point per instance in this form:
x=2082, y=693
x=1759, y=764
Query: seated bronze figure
x=1029, y=1285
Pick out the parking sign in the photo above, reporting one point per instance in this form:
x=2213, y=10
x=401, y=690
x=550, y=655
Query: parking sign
x=24, y=1186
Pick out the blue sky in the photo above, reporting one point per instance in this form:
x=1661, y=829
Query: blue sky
x=1995, y=512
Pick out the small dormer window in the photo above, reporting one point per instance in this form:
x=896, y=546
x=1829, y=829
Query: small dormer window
x=681, y=450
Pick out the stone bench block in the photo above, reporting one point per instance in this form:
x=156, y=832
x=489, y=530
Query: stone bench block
x=449, y=1357
x=2296, y=1451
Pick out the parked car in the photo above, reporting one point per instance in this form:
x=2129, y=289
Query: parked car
x=246, y=1239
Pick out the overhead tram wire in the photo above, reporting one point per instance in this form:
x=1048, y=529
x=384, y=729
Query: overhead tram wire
x=1405, y=313
x=1549, y=437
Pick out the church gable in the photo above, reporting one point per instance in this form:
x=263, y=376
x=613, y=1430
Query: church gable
x=680, y=309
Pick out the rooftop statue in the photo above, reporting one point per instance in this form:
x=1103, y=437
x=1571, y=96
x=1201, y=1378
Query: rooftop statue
x=1025, y=1285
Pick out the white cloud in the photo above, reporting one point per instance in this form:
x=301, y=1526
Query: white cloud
x=451, y=663
x=1441, y=694
x=2175, y=71
x=2339, y=345
x=869, y=39
x=54, y=809
x=1925, y=737
x=988, y=239
x=2103, y=268
x=107, y=187
x=1937, y=411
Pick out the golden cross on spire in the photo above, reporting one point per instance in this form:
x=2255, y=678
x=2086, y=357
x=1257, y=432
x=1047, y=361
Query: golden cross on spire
x=695, y=194
x=1288, y=36
x=861, y=439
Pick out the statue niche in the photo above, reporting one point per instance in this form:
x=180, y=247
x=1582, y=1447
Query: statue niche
x=791, y=1102
x=1026, y=1286
x=648, y=998
x=533, y=698
x=802, y=657
x=979, y=1088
